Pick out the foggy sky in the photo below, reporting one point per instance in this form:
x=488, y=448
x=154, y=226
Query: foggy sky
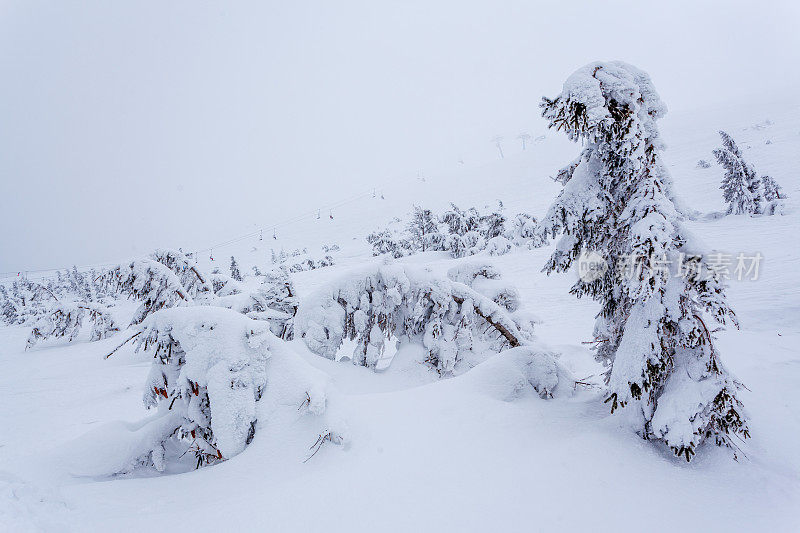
x=130, y=125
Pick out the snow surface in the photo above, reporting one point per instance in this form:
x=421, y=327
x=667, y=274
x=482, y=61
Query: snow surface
x=473, y=453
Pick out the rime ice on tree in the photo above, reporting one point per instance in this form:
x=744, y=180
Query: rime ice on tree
x=617, y=201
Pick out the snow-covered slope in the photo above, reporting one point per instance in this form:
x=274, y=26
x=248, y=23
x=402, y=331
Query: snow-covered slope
x=455, y=454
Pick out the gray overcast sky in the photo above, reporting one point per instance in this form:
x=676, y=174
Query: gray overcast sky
x=127, y=125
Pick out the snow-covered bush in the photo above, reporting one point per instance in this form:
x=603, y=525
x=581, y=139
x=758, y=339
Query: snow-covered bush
x=484, y=278
x=461, y=232
x=270, y=298
x=24, y=301
x=213, y=370
x=166, y=278
x=510, y=373
x=66, y=320
x=194, y=282
x=387, y=300
x=522, y=231
x=150, y=282
x=663, y=366
x=299, y=260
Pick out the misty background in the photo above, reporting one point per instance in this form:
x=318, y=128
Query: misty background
x=127, y=126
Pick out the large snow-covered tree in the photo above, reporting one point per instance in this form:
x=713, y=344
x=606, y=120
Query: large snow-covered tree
x=617, y=201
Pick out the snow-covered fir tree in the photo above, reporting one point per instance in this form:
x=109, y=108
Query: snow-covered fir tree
x=463, y=230
x=494, y=222
x=663, y=366
x=772, y=191
x=773, y=196
x=385, y=242
x=741, y=188
x=423, y=230
x=235, y=274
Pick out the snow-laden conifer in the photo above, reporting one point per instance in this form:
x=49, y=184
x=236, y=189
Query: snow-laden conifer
x=652, y=332
x=741, y=187
x=423, y=230
x=235, y=274
x=450, y=319
x=65, y=320
x=215, y=374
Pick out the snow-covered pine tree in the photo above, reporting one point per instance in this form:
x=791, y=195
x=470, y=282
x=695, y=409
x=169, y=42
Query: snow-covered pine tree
x=8, y=311
x=773, y=196
x=493, y=232
x=523, y=231
x=235, y=274
x=383, y=242
x=663, y=367
x=493, y=223
x=772, y=191
x=741, y=188
x=423, y=231
x=463, y=231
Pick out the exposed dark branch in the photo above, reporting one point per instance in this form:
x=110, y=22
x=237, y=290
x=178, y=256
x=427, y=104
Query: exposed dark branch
x=512, y=340
x=129, y=339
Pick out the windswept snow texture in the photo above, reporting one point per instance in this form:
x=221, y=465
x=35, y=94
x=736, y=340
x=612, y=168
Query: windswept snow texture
x=478, y=452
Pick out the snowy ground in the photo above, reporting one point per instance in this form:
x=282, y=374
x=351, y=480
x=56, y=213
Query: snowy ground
x=450, y=455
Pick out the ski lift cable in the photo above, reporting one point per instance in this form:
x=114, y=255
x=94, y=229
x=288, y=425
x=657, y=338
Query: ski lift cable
x=389, y=183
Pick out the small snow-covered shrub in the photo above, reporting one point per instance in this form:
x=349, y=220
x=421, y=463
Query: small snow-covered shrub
x=194, y=282
x=212, y=370
x=270, y=297
x=23, y=301
x=66, y=320
x=299, y=260
x=485, y=279
x=388, y=300
x=510, y=373
x=461, y=232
